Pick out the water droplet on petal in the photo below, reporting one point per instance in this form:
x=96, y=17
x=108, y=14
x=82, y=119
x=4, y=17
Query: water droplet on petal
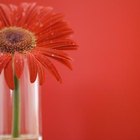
x=50, y=24
x=49, y=8
x=23, y=14
x=16, y=61
x=41, y=25
x=51, y=41
x=52, y=33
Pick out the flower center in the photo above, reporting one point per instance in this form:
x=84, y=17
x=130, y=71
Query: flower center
x=14, y=39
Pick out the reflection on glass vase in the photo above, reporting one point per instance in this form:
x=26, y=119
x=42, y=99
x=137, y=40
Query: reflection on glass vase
x=26, y=124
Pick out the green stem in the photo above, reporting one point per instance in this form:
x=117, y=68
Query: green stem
x=16, y=109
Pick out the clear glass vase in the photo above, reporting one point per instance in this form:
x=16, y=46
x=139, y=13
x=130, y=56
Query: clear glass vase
x=29, y=125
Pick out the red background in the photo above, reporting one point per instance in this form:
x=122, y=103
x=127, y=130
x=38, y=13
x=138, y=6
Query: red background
x=100, y=99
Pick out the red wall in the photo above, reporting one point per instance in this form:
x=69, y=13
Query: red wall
x=100, y=99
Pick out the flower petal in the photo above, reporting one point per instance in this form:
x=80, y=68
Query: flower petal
x=53, y=53
x=29, y=12
x=5, y=14
x=4, y=59
x=50, y=21
x=39, y=17
x=32, y=67
x=61, y=57
x=8, y=73
x=49, y=66
x=41, y=72
x=65, y=62
x=16, y=12
x=53, y=34
x=20, y=16
x=18, y=63
x=60, y=44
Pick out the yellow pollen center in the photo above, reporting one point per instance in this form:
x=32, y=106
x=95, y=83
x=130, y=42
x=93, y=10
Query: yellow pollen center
x=14, y=39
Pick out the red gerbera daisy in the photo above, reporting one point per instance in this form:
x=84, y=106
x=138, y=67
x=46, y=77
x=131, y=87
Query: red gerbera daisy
x=33, y=33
